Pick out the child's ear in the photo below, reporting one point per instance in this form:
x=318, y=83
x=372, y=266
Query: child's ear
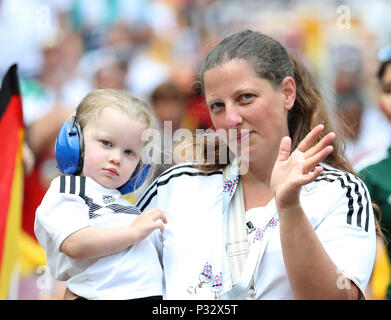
x=288, y=89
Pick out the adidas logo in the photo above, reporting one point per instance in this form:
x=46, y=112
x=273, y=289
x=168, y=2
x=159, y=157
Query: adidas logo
x=108, y=199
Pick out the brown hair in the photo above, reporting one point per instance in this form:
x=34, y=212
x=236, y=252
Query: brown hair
x=271, y=61
x=308, y=111
x=167, y=91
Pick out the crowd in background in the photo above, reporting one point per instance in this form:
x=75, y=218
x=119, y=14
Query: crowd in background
x=66, y=48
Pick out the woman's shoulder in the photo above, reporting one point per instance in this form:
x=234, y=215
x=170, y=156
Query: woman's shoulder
x=185, y=169
x=183, y=176
x=335, y=176
x=334, y=182
x=340, y=192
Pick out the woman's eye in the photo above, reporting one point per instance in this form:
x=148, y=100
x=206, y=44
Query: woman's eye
x=245, y=97
x=216, y=106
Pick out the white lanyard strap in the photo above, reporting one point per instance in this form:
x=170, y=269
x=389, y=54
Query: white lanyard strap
x=237, y=241
x=245, y=288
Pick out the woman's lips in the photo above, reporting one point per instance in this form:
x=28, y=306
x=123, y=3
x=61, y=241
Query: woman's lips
x=243, y=135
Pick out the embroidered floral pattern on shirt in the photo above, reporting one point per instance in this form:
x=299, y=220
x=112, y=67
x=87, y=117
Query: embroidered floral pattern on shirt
x=207, y=271
x=229, y=185
x=207, y=276
x=217, y=282
x=260, y=232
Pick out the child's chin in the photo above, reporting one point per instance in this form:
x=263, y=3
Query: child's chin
x=109, y=184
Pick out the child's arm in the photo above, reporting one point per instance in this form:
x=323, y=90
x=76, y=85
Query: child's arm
x=93, y=242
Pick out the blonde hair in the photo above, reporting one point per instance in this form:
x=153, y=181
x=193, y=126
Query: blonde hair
x=93, y=103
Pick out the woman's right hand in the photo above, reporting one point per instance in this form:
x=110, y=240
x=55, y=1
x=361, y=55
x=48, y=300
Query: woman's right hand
x=294, y=170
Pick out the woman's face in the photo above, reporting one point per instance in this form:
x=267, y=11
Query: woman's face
x=238, y=99
x=385, y=96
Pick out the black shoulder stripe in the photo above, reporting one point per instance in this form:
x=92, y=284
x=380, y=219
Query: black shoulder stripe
x=348, y=193
x=153, y=185
x=146, y=193
x=72, y=188
x=359, y=200
x=146, y=203
x=366, y=208
x=164, y=182
x=82, y=186
x=75, y=182
x=177, y=167
x=62, y=184
x=191, y=174
x=351, y=185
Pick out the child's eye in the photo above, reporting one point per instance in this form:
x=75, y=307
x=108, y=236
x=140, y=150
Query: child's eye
x=106, y=143
x=129, y=152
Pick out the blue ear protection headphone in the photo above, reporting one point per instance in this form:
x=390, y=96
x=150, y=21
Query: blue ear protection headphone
x=69, y=149
x=69, y=153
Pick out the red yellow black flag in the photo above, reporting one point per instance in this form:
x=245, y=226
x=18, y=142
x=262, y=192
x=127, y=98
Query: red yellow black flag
x=11, y=177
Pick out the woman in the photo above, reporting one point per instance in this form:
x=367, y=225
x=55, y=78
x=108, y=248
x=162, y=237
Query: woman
x=285, y=219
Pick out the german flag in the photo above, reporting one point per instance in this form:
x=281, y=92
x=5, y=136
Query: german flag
x=11, y=177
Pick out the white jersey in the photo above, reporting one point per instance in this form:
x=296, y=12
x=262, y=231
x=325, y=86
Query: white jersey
x=337, y=205
x=72, y=203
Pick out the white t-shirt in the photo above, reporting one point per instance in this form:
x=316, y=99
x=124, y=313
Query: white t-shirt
x=337, y=205
x=72, y=203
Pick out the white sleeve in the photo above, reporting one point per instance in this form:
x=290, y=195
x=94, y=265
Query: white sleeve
x=149, y=200
x=58, y=216
x=348, y=231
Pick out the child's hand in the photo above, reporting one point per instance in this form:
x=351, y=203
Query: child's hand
x=148, y=221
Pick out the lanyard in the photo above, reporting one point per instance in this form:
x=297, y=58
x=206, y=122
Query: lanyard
x=242, y=261
x=210, y=279
x=245, y=288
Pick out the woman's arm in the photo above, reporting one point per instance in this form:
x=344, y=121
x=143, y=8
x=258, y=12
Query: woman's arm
x=311, y=272
x=93, y=242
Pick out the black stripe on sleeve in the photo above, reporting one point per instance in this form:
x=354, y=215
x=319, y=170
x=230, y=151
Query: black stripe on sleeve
x=62, y=184
x=146, y=203
x=82, y=186
x=367, y=205
x=352, y=183
x=72, y=189
x=359, y=200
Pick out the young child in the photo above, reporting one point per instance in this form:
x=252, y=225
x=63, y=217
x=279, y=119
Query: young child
x=94, y=239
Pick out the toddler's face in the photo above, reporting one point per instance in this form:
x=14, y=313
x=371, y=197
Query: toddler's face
x=112, y=147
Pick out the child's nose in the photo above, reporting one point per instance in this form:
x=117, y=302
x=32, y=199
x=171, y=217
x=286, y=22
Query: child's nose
x=115, y=156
